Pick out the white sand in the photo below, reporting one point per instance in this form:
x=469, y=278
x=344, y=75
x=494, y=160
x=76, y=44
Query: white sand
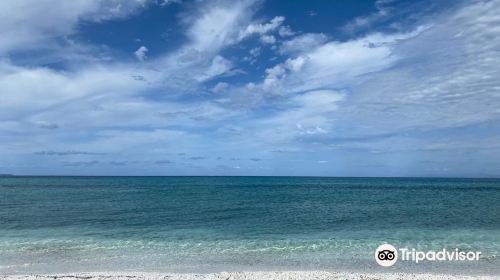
x=282, y=275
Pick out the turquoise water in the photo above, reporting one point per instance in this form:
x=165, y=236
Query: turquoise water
x=197, y=224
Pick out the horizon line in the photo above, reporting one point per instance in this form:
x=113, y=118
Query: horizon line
x=294, y=176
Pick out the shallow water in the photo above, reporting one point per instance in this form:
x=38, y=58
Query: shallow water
x=192, y=224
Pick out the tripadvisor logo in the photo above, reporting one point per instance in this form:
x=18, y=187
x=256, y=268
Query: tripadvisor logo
x=387, y=255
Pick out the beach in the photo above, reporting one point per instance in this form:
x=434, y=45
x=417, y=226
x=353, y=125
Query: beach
x=277, y=275
x=250, y=139
x=302, y=228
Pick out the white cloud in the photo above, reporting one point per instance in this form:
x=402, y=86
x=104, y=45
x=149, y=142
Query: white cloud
x=304, y=114
x=220, y=87
x=383, y=10
x=285, y=31
x=178, y=72
x=334, y=64
x=261, y=29
x=140, y=53
x=404, y=92
x=441, y=80
x=95, y=105
x=22, y=88
x=303, y=43
x=435, y=77
x=27, y=24
x=370, y=93
x=320, y=100
x=168, y=2
x=218, y=26
x=255, y=51
x=218, y=66
x=268, y=39
x=215, y=28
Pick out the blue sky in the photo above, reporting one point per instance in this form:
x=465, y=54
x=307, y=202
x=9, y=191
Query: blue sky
x=324, y=88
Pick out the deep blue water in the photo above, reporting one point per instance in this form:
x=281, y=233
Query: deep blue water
x=52, y=224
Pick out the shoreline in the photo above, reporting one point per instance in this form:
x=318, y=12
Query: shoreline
x=246, y=275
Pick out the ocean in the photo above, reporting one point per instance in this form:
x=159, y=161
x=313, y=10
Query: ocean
x=204, y=224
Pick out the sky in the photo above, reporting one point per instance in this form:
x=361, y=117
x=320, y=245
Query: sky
x=252, y=87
